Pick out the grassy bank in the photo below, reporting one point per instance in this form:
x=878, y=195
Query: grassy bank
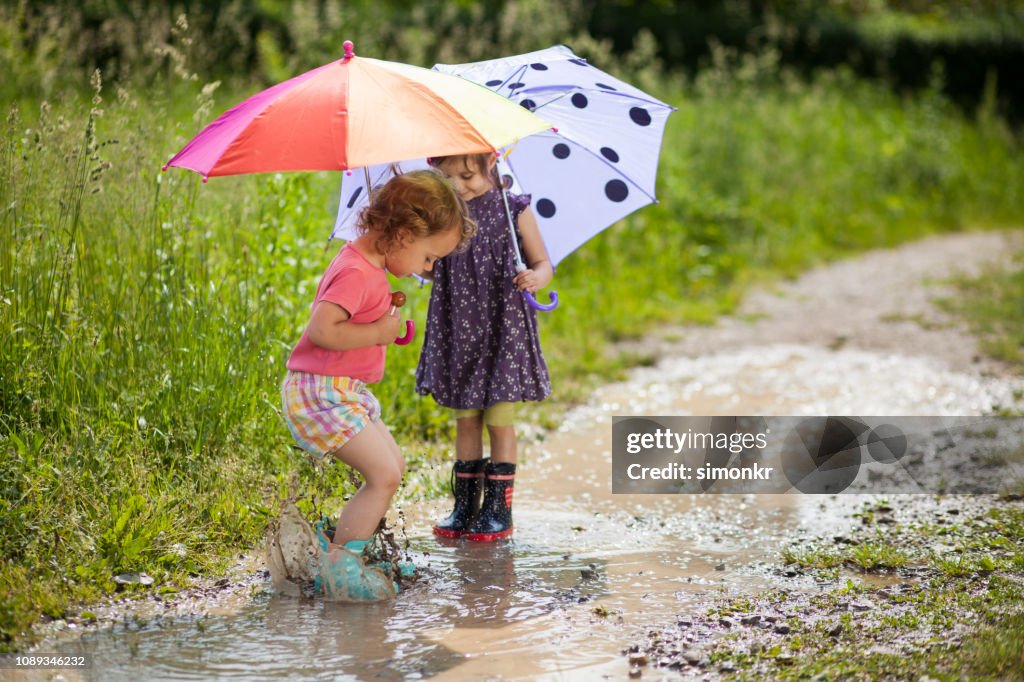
x=145, y=317
x=993, y=305
x=917, y=588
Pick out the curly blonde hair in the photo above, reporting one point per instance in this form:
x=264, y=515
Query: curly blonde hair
x=415, y=205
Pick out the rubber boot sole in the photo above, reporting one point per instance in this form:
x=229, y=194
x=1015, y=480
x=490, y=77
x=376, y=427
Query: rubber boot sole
x=446, y=533
x=487, y=537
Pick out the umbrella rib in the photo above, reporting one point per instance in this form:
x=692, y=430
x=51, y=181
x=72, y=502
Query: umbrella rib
x=519, y=70
x=656, y=102
x=576, y=89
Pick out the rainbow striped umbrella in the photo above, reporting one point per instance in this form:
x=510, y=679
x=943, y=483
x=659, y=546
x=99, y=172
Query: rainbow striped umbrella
x=352, y=113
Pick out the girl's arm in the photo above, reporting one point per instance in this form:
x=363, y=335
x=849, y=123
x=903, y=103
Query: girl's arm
x=329, y=328
x=535, y=253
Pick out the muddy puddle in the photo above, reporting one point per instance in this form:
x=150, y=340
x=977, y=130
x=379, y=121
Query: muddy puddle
x=587, y=571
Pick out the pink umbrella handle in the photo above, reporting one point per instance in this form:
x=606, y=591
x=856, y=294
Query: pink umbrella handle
x=410, y=332
x=543, y=307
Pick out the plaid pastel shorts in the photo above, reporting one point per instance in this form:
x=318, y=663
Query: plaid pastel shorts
x=323, y=413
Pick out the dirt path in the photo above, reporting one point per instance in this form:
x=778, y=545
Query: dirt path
x=881, y=301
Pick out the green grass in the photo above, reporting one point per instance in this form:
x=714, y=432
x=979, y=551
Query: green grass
x=993, y=306
x=867, y=556
x=813, y=557
x=145, y=317
x=961, y=618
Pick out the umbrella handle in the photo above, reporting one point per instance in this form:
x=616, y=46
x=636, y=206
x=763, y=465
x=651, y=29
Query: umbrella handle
x=543, y=307
x=410, y=331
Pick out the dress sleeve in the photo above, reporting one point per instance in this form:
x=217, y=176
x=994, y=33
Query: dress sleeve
x=518, y=203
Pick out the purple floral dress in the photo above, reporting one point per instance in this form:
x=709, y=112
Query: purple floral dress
x=481, y=345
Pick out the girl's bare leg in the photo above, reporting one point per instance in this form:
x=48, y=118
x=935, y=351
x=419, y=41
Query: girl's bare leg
x=469, y=435
x=503, y=443
x=395, y=452
x=375, y=455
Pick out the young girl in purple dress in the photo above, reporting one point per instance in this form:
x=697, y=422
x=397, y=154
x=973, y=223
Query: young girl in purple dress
x=481, y=352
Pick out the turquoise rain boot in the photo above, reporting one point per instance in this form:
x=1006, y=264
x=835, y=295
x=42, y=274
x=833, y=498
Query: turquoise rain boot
x=345, y=577
x=406, y=569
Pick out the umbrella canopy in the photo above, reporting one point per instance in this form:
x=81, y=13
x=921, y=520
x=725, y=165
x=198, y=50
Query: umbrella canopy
x=355, y=112
x=595, y=167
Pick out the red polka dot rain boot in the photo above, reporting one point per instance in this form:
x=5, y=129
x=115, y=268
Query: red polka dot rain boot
x=467, y=484
x=495, y=518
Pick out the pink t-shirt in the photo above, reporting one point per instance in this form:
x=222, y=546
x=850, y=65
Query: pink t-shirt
x=361, y=288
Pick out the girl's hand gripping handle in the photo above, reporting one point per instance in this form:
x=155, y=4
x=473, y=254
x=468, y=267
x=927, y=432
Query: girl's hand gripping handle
x=543, y=307
x=397, y=301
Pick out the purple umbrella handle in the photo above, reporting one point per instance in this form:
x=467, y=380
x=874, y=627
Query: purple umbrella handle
x=410, y=331
x=543, y=307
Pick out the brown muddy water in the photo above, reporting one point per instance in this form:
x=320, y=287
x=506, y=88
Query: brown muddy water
x=586, y=572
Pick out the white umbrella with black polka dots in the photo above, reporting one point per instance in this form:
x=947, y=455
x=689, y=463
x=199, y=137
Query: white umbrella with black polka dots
x=595, y=167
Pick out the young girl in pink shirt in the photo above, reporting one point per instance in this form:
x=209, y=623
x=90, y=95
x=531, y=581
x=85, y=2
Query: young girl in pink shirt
x=410, y=223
